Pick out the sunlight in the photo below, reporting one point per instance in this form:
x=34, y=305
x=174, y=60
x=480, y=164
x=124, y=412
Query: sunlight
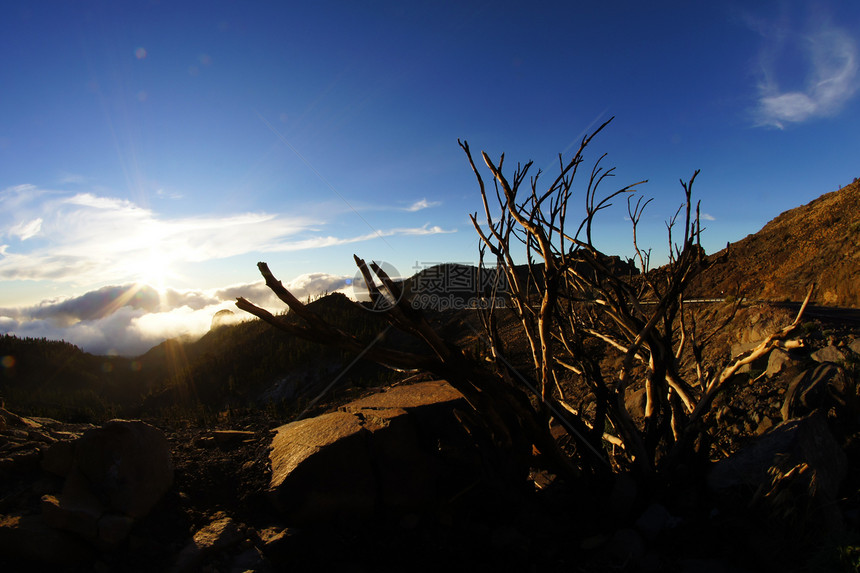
x=154, y=270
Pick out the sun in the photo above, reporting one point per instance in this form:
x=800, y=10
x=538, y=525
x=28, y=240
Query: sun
x=154, y=270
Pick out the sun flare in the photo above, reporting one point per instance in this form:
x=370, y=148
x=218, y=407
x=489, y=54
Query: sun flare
x=154, y=271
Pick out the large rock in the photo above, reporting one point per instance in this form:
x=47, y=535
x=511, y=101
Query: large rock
x=126, y=463
x=411, y=398
x=222, y=532
x=376, y=452
x=320, y=466
x=793, y=472
x=828, y=354
x=27, y=539
x=75, y=513
x=778, y=361
x=819, y=387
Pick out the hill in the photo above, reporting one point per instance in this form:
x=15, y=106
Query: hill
x=818, y=242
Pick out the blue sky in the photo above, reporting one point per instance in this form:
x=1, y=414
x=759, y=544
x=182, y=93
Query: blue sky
x=177, y=143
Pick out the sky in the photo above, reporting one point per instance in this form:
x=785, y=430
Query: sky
x=152, y=152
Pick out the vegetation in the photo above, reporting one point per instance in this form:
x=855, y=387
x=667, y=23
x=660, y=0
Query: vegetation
x=574, y=305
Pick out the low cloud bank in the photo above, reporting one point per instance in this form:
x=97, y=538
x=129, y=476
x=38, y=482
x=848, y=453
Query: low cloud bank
x=130, y=319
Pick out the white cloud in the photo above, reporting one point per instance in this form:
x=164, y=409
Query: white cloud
x=830, y=74
x=88, y=239
x=708, y=217
x=26, y=230
x=422, y=204
x=130, y=319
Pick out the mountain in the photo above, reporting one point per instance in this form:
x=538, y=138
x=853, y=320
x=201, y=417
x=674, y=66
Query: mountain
x=252, y=363
x=818, y=242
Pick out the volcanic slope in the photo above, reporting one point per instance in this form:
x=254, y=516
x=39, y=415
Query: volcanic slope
x=817, y=242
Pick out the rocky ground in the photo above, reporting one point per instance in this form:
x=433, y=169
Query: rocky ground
x=784, y=497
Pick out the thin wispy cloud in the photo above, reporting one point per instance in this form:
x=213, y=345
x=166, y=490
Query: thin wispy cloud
x=168, y=194
x=87, y=239
x=829, y=68
x=26, y=229
x=72, y=179
x=422, y=204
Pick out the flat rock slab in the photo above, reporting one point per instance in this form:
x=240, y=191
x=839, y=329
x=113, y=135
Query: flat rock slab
x=407, y=397
x=369, y=454
x=320, y=467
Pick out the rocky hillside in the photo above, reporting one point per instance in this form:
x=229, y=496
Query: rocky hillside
x=818, y=242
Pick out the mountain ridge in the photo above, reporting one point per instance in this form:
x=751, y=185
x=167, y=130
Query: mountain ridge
x=817, y=242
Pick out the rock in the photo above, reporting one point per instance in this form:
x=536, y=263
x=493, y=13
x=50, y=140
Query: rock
x=828, y=354
x=75, y=513
x=635, y=403
x=222, y=532
x=379, y=451
x=59, y=457
x=795, y=468
x=114, y=528
x=763, y=426
x=776, y=362
x=321, y=466
x=409, y=398
x=11, y=420
x=855, y=346
x=128, y=463
x=405, y=474
x=810, y=389
x=278, y=544
x=654, y=520
x=28, y=540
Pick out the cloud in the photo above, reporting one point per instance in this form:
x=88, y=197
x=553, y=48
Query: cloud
x=708, y=217
x=422, y=204
x=26, y=230
x=830, y=77
x=130, y=319
x=88, y=239
x=67, y=178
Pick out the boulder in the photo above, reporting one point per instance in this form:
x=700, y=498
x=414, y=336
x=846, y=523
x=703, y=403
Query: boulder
x=321, y=466
x=828, y=354
x=222, y=532
x=814, y=388
x=114, y=528
x=854, y=345
x=27, y=539
x=793, y=471
x=59, y=457
x=75, y=513
x=635, y=402
x=777, y=362
x=376, y=452
x=410, y=398
x=405, y=473
x=126, y=463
